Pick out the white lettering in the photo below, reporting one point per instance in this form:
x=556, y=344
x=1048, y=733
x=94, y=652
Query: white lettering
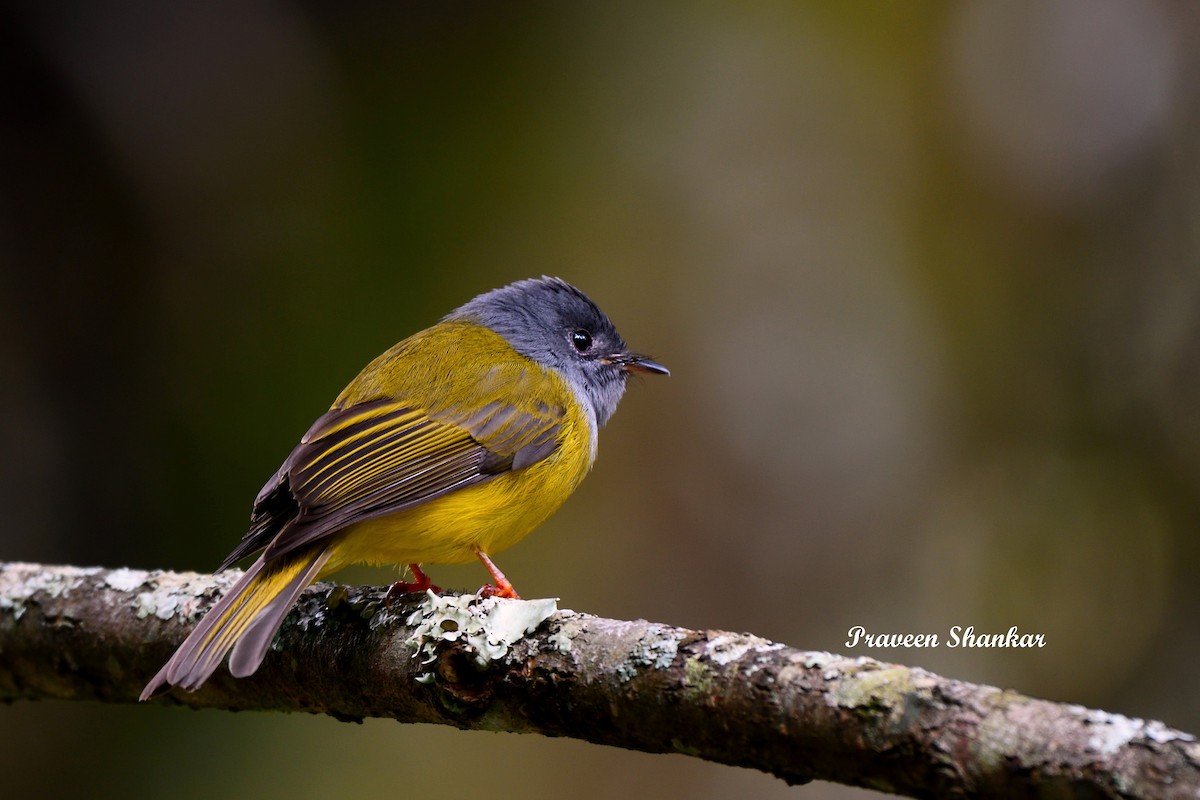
x=954, y=635
x=889, y=640
x=967, y=637
x=855, y=633
x=957, y=636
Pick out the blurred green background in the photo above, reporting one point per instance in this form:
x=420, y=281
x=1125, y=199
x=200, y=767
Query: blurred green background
x=927, y=275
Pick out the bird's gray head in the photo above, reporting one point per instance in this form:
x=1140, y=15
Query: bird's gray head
x=555, y=324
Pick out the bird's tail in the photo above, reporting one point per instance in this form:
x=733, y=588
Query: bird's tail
x=244, y=621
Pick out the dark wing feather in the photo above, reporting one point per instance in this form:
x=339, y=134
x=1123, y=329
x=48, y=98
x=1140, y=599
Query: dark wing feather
x=379, y=457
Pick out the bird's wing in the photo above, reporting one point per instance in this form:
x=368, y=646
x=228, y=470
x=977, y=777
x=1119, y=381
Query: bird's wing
x=381, y=456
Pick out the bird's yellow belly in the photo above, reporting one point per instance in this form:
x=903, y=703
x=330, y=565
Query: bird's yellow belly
x=490, y=516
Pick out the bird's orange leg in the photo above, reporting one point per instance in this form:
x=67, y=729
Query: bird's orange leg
x=502, y=587
x=419, y=584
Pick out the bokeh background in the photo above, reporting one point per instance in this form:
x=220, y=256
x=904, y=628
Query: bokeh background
x=927, y=275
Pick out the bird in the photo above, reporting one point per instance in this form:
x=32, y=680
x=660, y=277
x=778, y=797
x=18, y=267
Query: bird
x=451, y=446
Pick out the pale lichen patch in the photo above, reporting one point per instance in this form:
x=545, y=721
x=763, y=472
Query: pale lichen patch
x=655, y=649
x=1109, y=732
x=725, y=648
x=125, y=580
x=178, y=594
x=564, y=636
x=488, y=627
x=875, y=689
x=58, y=583
x=820, y=658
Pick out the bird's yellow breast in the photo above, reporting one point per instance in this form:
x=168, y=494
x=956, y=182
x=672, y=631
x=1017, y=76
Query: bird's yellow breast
x=489, y=516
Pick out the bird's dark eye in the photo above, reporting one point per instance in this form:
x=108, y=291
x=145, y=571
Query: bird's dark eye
x=581, y=340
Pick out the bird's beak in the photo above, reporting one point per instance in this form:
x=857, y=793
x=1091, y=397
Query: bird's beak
x=631, y=362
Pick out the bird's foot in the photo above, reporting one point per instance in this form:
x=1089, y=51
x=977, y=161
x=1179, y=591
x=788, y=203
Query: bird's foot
x=506, y=590
x=418, y=585
x=502, y=588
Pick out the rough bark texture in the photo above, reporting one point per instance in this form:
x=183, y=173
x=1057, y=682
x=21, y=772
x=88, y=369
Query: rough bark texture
x=97, y=634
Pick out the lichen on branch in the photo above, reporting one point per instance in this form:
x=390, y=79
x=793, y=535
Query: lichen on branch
x=90, y=633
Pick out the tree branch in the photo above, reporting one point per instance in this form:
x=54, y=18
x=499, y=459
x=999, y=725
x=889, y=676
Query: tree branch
x=97, y=634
